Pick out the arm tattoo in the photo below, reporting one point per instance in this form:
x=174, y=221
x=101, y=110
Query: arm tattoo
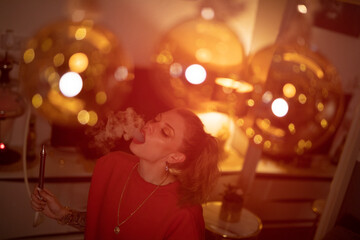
x=75, y=219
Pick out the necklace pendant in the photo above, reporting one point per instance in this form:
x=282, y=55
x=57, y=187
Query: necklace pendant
x=117, y=230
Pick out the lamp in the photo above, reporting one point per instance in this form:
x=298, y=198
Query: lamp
x=297, y=102
x=12, y=104
x=74, y=72
x=198, y=63
x=304, y=85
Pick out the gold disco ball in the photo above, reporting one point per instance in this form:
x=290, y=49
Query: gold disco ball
x=297, y=102
x=75, y=72
x=199, y=64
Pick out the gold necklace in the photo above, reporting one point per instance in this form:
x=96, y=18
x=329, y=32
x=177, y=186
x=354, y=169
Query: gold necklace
x=117, y=227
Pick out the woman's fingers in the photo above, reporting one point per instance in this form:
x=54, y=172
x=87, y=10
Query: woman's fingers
x=45, y=194
x=48, y=192
x=36, y=203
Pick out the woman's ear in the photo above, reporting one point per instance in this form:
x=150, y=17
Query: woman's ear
x=176, y=157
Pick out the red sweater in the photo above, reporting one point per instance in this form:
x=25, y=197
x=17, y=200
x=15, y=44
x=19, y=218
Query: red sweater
x=159, y=218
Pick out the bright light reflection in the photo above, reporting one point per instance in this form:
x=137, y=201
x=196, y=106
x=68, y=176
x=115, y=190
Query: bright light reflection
x=70, y=84
x=78, y=15
x=121, y=73
x=239, y=86
x=195, y=74
x=80, y=33
x=37, y=100
x=279, y=107
x=93, y=118
x=289, y=90
x=207, y=13
x=83, y=117
x=101, y=97
x=58, y=59
x=176, y=69
x=29, y=55
x=267, y=97
x=302, y=8
x=78, y=62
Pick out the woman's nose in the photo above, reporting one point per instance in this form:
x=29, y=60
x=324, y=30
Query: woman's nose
x=149, y=126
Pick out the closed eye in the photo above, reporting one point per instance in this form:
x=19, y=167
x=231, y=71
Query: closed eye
x=157, y=118
x=166, y=132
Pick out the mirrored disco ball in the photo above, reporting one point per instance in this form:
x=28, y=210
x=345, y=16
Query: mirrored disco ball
x=297, y=102
x=198, y=64
x=75, y=72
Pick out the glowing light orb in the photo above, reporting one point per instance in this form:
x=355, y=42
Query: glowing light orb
x=207, y=13
x=70, y=84
x=297, y=102
x=191, y=56
x=78, y=62
x=279, y=107
x=195, y=74
x=289, y=90
x=69, y=66
x=302, y=8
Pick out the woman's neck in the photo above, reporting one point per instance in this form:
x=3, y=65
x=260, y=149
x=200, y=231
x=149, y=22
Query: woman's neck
x=154, y=173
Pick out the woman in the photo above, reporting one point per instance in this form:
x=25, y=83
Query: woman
x=155, y=193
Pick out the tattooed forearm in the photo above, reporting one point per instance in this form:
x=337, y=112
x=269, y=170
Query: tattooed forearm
x=74, y=218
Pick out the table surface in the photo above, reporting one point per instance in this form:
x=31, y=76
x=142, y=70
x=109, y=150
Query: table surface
x=248, y=225
x=60, y=163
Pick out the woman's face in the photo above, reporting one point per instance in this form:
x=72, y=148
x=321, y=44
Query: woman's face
x=163, y=136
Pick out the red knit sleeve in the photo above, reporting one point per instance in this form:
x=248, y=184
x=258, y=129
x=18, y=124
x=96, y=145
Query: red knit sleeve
x=94, y=198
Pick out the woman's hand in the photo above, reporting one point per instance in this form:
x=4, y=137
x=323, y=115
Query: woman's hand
x=42, y=200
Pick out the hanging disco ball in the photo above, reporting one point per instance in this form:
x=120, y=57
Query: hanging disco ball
x=297, y=102
x=198, y=64
x=73, y=73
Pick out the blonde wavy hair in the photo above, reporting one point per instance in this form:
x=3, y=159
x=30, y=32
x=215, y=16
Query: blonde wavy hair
x=198, y=173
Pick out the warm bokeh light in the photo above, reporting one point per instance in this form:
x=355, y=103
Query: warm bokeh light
x=121, y=73
x=101, y=72
x=83, y=117
x=2, y=146
x=176, y=70
x=258, y=139
x=78, y=62
x=238, y=86
x=304, y=63
x=267, y=97
x=250, y=132
x=302, y=98
x=100, y=98
x=78, y=15
x=191, y=56
x=195, y=74
x=59, y=59
x=279, y=107
x=292, y=129
x=250, y=102
x=37, y=100
x=29, y=55
x=302, y=8
x=289, y=90
x=93, y=118
x=207, y=13
x=80, y=33
x=320, y=106
x=70, y=84
x=297, y=102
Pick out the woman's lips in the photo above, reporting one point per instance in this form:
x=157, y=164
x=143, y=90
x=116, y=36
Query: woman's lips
x=139, y=136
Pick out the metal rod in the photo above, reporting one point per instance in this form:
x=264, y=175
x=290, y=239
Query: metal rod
x=42, y=167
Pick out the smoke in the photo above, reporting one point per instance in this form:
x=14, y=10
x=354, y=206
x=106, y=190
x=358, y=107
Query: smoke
x=123, y=124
